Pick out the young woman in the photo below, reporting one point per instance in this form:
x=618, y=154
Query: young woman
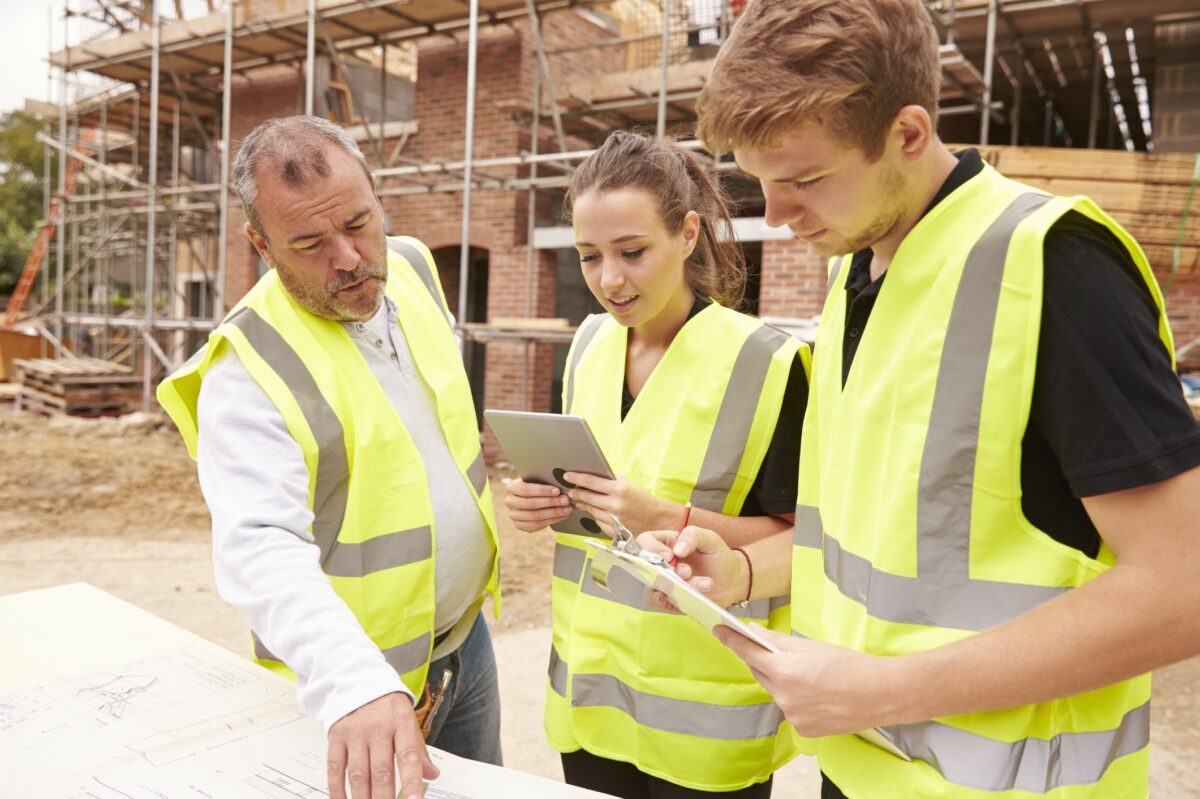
x=692, y=402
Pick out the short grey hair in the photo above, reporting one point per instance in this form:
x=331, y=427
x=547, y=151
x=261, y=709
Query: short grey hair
x=297, y=145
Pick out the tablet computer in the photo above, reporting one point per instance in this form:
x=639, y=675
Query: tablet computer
x=543, y=447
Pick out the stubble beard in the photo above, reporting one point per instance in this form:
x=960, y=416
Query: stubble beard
x=323, y=301
x=883, y=224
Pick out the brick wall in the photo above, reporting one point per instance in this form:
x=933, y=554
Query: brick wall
x=1177, y=88
x=262, y=94
x=517, y=375
x=794, y=279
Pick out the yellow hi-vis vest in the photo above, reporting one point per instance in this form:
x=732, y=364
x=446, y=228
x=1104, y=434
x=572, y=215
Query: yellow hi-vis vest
x=629, y=682
x=909, y=528
x=373, y=519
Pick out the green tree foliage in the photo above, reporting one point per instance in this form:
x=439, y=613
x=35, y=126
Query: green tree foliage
x=21, y=171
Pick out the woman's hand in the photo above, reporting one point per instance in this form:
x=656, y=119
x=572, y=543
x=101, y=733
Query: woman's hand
x=534, y=506
x=703, y=559
x=633, y=505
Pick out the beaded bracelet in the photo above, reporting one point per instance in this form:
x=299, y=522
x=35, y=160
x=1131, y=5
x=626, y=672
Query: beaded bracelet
x=750, y=582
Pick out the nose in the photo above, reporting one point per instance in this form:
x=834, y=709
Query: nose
x=345, y=254
x=611, y=275
x=779, y=210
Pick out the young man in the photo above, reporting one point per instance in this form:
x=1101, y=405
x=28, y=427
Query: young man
x=338, y=451
x=996, y=534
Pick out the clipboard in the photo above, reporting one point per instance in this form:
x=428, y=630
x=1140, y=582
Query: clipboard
x=653, y=572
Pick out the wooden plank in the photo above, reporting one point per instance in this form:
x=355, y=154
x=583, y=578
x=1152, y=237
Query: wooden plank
x=1082, y=164
x=525, y=323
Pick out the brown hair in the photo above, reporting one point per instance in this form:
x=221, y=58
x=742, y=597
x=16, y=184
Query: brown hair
x=680, y=183
x=851, y=64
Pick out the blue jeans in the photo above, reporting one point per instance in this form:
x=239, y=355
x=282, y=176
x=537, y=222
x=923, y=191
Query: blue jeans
x=468, y=722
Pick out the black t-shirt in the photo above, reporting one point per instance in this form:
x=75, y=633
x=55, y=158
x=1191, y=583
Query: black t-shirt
x=1108, y=412
x=774, y=490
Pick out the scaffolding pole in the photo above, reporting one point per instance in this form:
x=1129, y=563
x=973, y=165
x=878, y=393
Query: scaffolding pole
x=61, y=244
x=152, y=202
x=464, y=262
x=662, y=88
x=310, y=59
x=989, y=65
x=531, y=221
x=226, y=107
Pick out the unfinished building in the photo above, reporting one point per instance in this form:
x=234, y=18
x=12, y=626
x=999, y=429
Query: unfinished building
x=473, y=113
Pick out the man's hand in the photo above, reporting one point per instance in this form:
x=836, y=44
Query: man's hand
x=705, y=561
x=636, y=507
x=534, y=506
x=822, y=689
x=368, y=744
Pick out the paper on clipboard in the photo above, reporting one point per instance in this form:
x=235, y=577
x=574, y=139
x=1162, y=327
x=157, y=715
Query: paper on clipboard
x=662, y=578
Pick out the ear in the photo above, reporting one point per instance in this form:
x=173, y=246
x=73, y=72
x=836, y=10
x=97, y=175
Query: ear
x=259, y=243
x=912, y=133
x=691, y=233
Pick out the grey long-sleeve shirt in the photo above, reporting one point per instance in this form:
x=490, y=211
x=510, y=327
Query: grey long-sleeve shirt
x=255, y=481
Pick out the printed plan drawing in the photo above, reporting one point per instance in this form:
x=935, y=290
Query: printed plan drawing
x=193, y=724
x=182, y=724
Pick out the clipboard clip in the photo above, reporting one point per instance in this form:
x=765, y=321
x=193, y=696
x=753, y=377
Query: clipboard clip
x=624, y=541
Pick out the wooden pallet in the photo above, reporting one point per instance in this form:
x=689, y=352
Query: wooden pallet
x=93, y=404
x=78, y=387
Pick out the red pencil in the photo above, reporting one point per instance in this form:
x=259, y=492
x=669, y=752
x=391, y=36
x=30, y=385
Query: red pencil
x=687, y=514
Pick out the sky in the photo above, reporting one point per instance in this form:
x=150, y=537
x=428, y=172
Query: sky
x=24, y=45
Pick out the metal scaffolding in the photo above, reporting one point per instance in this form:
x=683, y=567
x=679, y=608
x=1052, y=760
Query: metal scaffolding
x=138, y=270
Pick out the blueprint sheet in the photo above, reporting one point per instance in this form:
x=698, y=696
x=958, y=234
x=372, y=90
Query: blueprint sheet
x=144, y=710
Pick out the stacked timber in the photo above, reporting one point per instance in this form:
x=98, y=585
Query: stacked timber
x=76, y=387
x=1146, y=193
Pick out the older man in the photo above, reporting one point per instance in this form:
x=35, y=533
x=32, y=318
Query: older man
x=338, y=451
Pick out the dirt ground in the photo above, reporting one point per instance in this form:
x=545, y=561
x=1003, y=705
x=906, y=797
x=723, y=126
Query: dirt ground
x=115, y=503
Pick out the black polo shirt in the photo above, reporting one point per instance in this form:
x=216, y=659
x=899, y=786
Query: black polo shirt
x=1108, y=411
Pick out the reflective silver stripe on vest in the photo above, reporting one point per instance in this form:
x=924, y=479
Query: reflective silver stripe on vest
x=702, y=719
x=333, y=469
x=379, y=553
x=557, y=673
x=419, y=265
x=260, y=649
x=583, y=338
x=403, y=658
x=731, y=430
x=833, y=273
x=625, y=589
x=568, y=562
x=943, y=593
x=477, y=474
x=409, y=655
x=1030, y=764
x=808, y=530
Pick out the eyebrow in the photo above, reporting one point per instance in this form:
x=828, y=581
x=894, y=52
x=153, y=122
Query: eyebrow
x=620, y=240
x=306, y=236
x=799, y=177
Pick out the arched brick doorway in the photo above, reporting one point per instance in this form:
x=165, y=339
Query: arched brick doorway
x=475, y=357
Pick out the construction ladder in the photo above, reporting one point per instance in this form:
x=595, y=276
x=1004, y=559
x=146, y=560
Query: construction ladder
x=33, y=264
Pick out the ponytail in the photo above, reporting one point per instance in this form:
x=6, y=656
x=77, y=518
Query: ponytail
x=679, y=182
